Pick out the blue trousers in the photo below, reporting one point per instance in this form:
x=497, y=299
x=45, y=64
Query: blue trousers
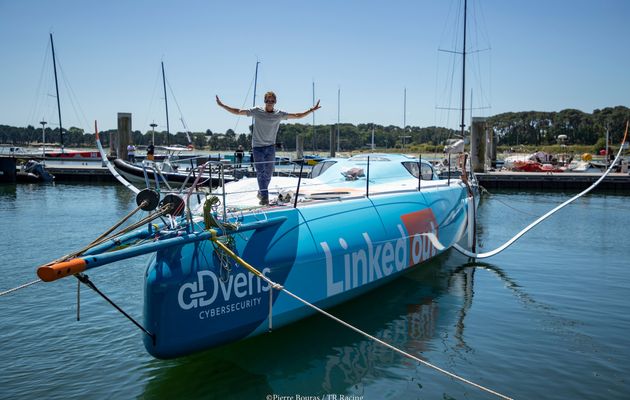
x=265, y=158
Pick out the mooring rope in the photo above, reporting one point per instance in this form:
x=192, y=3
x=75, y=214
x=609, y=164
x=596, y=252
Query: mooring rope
x=435, y=241
x=19, y=287
x=101, y=239
x=396, y=349
x=277, y=286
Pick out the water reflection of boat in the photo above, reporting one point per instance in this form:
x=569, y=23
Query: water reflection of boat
x=301, y=359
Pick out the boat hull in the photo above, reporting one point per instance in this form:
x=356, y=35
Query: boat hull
x=326, y=253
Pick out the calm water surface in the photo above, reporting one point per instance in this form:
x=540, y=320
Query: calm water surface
x=548, y=318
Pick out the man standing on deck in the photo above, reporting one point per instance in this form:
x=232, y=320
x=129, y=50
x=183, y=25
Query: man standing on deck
x=238, y=156
x=151, y=152
x=266, y=125
x=131, y=153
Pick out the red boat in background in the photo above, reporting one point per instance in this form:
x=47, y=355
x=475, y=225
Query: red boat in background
x=66, y=153
x=535, y=166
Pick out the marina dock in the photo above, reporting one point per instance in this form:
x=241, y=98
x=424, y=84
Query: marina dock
x=618, y=182
x=73, y=171
x=95, y=171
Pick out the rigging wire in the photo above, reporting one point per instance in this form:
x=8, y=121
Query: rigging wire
x=73, y=98
x=485, y=100
x=39, y=97
x=448, y=76
x=86, y=280
x=152, y=99
x=251, y=85
x=181, y=115
x=512, y=207
x=444, y=93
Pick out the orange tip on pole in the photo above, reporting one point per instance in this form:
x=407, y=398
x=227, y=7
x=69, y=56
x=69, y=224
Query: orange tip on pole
x=49, y=273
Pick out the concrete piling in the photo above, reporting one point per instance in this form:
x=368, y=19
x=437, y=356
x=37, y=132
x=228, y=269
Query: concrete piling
x=124, y=135
x=478, y=144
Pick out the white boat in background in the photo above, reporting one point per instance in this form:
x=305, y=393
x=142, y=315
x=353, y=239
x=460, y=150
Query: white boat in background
x=169, y=173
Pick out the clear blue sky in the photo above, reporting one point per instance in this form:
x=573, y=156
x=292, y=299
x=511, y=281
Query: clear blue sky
x=545, y=55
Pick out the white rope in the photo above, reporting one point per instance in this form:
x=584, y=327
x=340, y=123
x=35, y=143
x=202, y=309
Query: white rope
x=19, y=287
x=436, y=242
x=277, y=286
x=404, y=353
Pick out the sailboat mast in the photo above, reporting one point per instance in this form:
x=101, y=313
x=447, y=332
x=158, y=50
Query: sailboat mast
x=168, y=133
x=463, y=125
x=313, y=117
x=338, y=116
x=52, y=46
x=255, y=84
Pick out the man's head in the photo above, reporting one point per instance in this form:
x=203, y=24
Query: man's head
x=270, y=100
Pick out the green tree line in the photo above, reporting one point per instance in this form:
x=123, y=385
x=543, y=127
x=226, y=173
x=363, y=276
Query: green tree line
x=543, y=128
x=536, y=128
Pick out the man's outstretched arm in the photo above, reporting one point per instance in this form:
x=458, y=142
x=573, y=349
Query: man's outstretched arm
x=305, y=113
x=235, y=111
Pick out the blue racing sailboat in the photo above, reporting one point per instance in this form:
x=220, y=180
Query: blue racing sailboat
x=219, y=267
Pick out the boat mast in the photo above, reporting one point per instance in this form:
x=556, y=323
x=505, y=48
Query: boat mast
x=255, y=85
x=52, y=46
x=168, y=134
x=338, y=115
x=464, y=70
x=313, y=118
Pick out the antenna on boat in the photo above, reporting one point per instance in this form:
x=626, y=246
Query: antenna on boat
x=52, y=46
x=43, y=137
x=153, y=125
x=403, y=137
x=405, y=109
x=168, y=141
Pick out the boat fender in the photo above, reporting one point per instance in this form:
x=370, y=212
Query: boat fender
x=151, y=197
x=175, y=202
